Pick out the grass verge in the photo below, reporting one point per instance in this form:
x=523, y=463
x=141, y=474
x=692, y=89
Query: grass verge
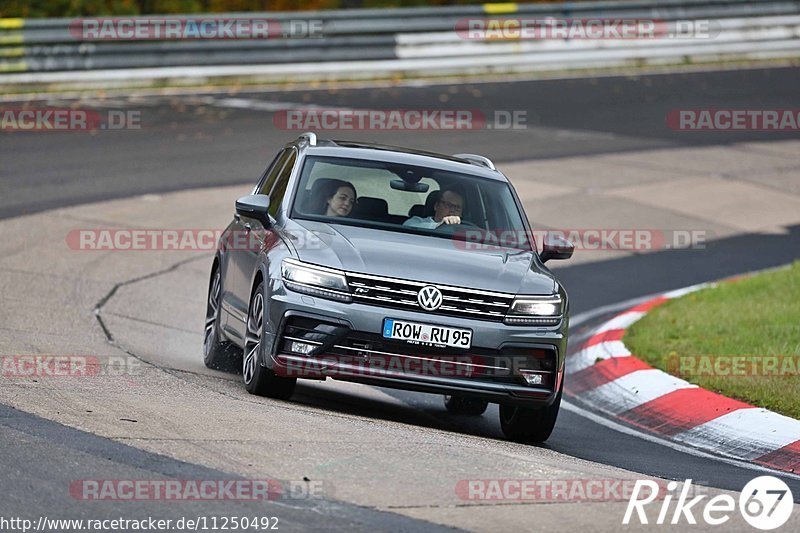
x=740, y=339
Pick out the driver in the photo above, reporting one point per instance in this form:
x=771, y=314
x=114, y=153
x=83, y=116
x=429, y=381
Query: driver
x=447, y=210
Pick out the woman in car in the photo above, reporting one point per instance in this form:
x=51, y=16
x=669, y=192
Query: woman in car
x=340, y=197
x=331, y=197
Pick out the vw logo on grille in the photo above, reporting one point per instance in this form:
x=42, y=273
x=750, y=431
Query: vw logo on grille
x=429, y=298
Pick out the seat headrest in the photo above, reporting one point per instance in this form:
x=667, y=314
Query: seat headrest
x=371, y=207
x=313, y=199
x=417, y=210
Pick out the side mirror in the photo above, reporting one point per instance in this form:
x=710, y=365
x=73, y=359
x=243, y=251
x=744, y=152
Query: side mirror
x=254, y=206
x=556, y=247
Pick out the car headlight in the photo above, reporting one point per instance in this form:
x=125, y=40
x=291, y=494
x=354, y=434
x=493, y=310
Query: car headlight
x=535, y=311
x=315, y=280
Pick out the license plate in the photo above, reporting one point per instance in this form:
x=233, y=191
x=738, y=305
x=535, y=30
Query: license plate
x=417, y=333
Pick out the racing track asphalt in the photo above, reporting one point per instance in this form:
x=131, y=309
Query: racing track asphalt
x=184, y=147
x=41, y=457
x=186, y=143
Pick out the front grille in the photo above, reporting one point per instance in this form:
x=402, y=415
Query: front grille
x=402, y=294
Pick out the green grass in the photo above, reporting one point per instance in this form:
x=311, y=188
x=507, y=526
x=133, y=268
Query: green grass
x=696, y=336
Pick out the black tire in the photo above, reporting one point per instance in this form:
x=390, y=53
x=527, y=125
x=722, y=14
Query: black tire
x=216, y=352
x=526, y=425
x=258, y=379
x=459, y=405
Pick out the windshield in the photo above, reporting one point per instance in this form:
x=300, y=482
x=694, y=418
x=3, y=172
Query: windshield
x=411, y=199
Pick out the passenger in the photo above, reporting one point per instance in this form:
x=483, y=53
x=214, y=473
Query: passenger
x=340, y=203
x=337, y=199
x=447, y=210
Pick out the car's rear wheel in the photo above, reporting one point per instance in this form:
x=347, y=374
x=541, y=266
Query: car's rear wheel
x=257, y=378
x=216, y=352
x=522, y=424
x=459, y=405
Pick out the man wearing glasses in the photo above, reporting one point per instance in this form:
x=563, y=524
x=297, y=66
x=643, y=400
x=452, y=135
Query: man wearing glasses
x=447, y=210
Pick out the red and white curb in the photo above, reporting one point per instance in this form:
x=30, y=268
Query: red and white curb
x=605, y=375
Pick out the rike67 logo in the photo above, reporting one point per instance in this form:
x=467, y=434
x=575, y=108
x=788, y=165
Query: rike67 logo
x=765, y=503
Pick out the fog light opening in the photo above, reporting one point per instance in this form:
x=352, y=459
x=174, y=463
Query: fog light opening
x=532, y=377
x=301, y=348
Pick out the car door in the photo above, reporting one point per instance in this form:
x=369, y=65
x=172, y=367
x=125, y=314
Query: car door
x=234, y=300
x=253, y=234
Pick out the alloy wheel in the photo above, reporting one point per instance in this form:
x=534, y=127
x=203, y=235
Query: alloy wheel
x=252, y=342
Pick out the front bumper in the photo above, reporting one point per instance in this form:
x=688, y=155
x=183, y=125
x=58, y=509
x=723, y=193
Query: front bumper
x=348, y=346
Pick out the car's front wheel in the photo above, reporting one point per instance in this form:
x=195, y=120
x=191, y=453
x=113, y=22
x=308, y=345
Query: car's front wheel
x=459, y=405
x=522, y=424
x=259, y=379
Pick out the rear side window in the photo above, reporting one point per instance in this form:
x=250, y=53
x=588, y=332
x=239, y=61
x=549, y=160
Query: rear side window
x=274, y=170
x=278, y=192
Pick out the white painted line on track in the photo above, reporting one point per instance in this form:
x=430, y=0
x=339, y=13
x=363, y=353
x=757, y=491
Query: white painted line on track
x=266, y=105
x=597, y=419
x=581, y=318
x=687, y=290
x=623, y=321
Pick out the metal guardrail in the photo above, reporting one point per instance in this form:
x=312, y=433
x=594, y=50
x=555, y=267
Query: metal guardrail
x=426, y=36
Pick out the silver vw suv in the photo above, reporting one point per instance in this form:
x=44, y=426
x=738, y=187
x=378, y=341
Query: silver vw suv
x=396, y=268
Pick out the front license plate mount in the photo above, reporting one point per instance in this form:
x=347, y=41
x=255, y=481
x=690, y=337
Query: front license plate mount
x=427, y=334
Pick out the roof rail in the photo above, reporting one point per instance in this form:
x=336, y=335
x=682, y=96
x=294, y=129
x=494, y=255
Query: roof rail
x=477, y=160
x=310, y=135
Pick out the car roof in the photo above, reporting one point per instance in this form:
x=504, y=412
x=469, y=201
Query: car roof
x=396, y=154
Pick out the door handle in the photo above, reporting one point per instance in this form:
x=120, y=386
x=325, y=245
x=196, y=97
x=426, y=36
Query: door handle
x=247, y=228
x=237, y=217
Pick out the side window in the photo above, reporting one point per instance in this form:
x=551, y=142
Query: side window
x=274, y=170
x=276, y=196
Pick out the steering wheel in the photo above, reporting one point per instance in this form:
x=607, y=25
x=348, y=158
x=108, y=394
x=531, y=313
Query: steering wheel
x=468, y=223
x=453, y=228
